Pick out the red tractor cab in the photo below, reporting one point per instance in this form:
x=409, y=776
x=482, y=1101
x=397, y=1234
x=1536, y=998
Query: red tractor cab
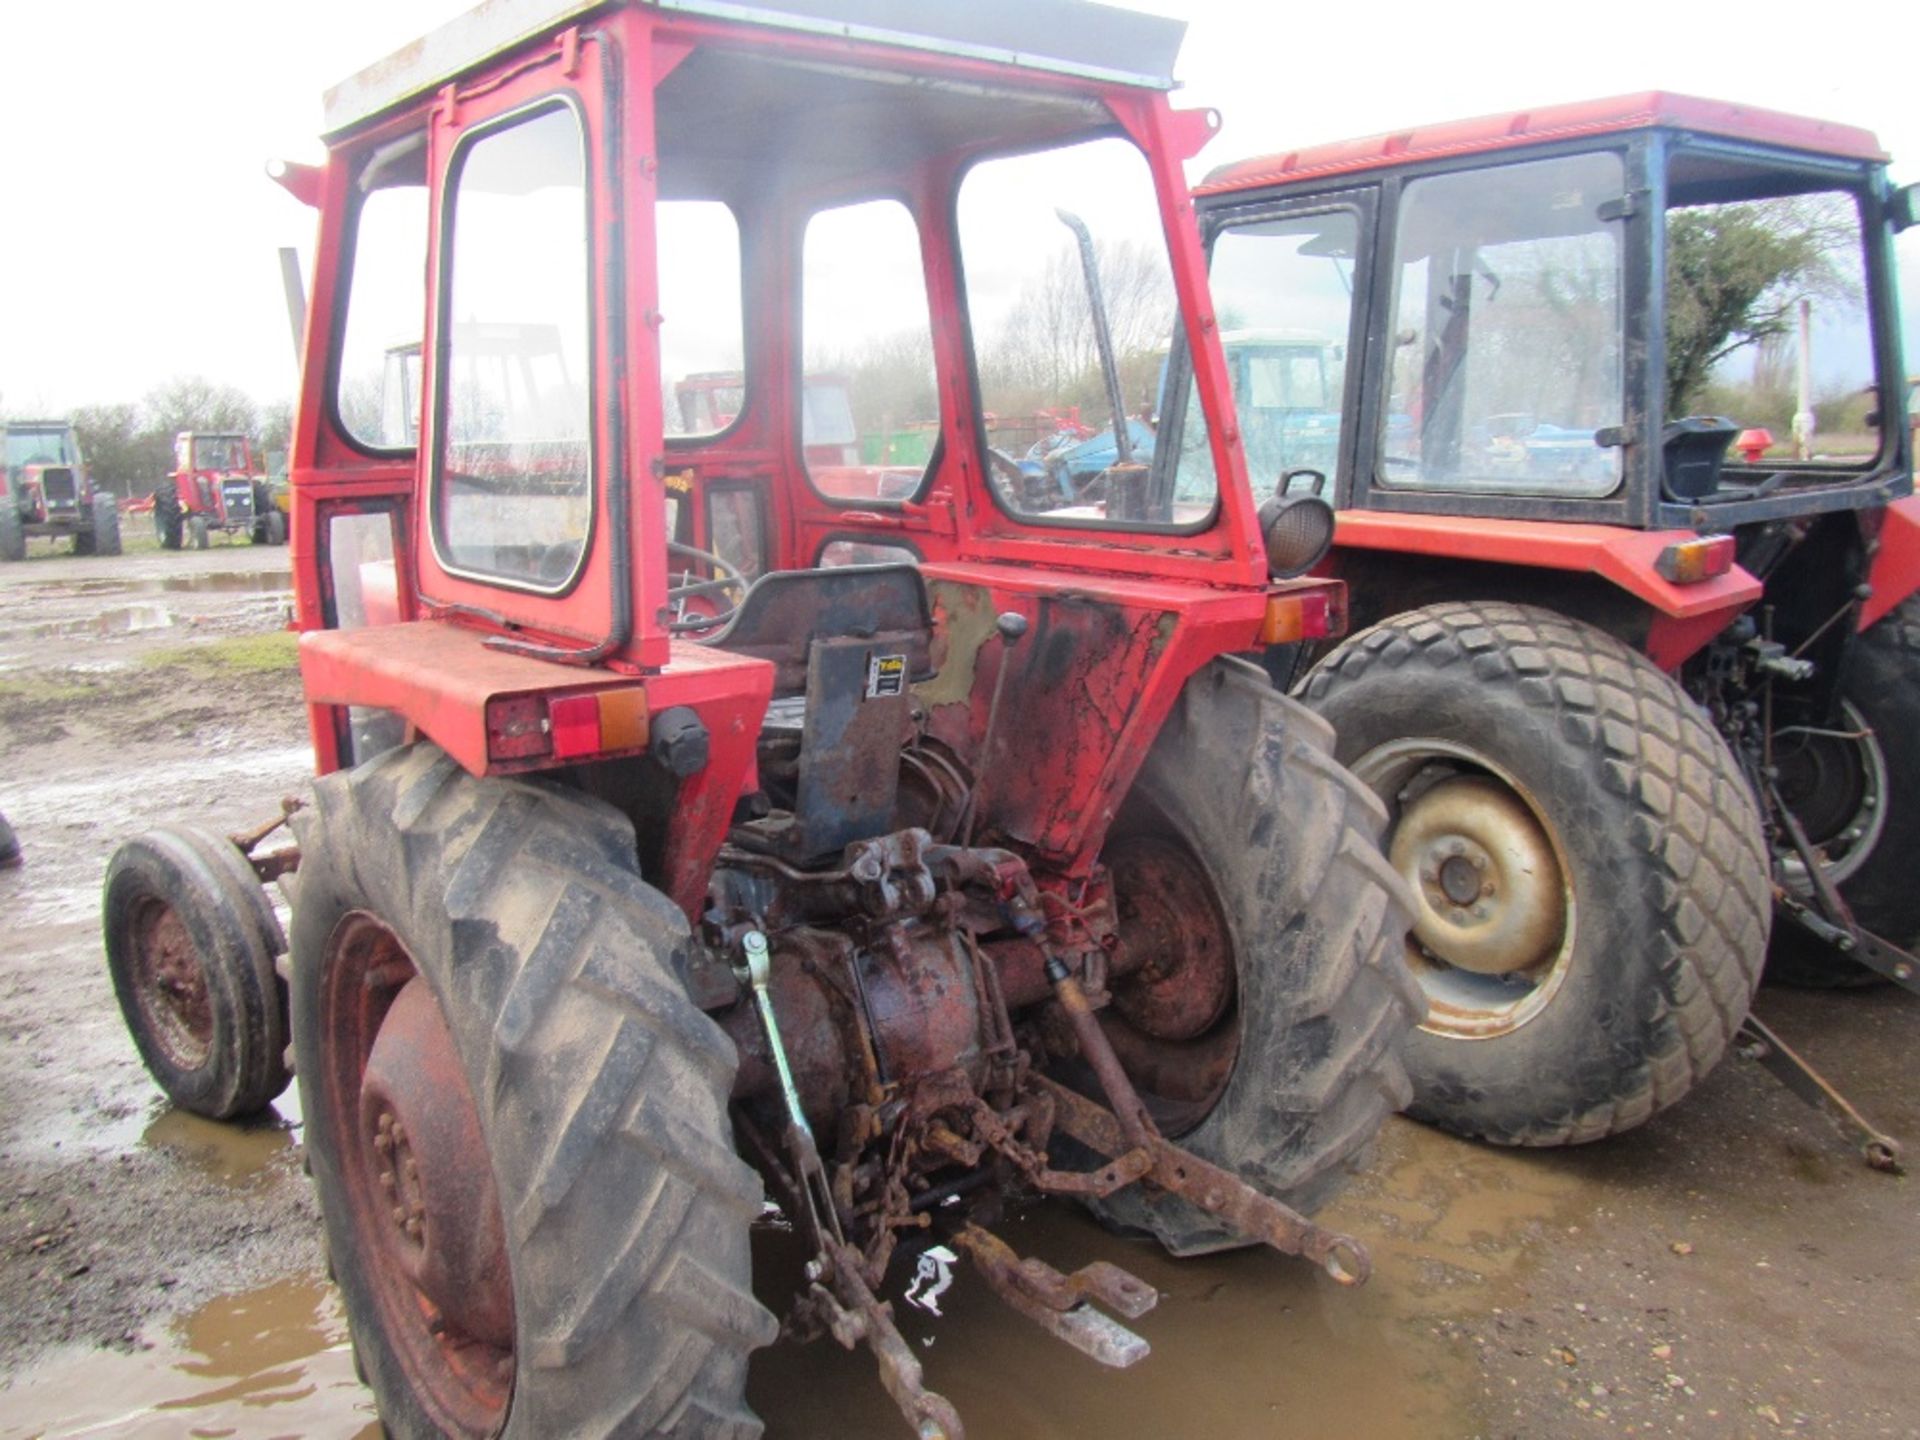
x=47, y=492
x=661, y=860
x=216, y=486
x=1619, y=685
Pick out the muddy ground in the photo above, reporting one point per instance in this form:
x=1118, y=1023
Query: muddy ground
x=1728, y=1271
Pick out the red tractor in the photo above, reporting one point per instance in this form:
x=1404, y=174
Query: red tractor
x=216, y=484
x=47, y=492
x=657, y=863
x=1626, y=695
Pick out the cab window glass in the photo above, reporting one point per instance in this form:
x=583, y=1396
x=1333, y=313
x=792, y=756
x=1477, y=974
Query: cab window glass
x=1764, y=294
x=1055, y=448
x=386, y=302
x=734, y=528
x=515, y=488
x=702, y=344
x=1505, y=365
x=869, y=408
x=1283, y=290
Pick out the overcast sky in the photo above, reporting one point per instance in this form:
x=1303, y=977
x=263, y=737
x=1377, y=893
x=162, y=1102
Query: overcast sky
x=138, y=234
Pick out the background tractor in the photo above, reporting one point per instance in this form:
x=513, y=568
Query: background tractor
x=216, y=485
x=49, y=493
x=659, y=859
x=1619, y=686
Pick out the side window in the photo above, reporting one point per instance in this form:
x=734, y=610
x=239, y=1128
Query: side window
x=376, y=387
x=702, y=344
x=864, y=552
x=1284, y=294
x=1506, y=343
x=1056, y=448
x=869, y=406
x=514, y=474
x=1751, y=275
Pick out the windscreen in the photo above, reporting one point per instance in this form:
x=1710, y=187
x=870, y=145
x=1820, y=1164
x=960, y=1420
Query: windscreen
x=41, y=447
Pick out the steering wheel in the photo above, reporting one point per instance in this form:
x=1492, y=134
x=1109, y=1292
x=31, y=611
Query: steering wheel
x=727, y=583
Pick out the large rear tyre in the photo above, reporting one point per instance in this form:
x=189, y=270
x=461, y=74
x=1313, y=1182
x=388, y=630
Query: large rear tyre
x=191, y=940
x=517, y=1121
x=1264, y=1029
x=1592, y=881
x=1856, y=790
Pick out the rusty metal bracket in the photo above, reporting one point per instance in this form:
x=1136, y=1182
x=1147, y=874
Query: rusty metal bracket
x=1837, y=925
x=1060, y=1304
x=1218, y=1192
x=1757, y=1041
x=853, y=1313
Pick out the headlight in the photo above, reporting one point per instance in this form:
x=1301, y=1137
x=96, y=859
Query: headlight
x=1298, y=530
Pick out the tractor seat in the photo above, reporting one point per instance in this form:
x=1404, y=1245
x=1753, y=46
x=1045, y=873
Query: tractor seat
x=785, y=611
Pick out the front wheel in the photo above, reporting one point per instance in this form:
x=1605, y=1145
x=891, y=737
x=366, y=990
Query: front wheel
x=106, y=525
x=191, y=940
x=1855, y=788
x=517, y=1121
x=201, y=532
x=1263, y=1028
x=1591, y=875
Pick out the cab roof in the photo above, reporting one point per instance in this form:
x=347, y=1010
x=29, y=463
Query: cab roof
x=1644, y=111
x=1067, y=37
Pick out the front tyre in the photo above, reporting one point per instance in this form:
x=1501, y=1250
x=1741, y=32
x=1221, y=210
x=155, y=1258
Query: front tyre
x=1263, y=1030
x=516, y=1120
x=1592, y=879
x=191, y=940
x=1855, y=787
x=106, y=525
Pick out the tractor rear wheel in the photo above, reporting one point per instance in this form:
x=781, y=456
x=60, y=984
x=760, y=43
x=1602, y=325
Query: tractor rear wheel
x=517, y=1121
x=167, y=520
x=1265, y=1026
x=1592, y=882
x=191, y=940
x=1856, y=790
x=13, y=534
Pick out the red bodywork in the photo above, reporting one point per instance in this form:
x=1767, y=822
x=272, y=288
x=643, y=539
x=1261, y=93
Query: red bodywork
x=1681, y=618
x=1120, y=620
x=1489, y=133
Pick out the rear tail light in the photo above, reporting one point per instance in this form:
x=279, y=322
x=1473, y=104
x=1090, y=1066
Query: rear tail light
x=1302, y=615
x=567, y=727
x=1688, y=562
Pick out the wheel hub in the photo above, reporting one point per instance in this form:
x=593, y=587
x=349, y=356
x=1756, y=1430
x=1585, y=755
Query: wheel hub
x=1492, y=897
x=429, y=1161
x=428, y=1239
x=1173, y=1021
x=172, y=985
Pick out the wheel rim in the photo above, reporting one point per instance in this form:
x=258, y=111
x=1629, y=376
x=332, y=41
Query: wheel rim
x=429, y=1238
x=170, y=984
x=1174, y=1021
x=1494, y=917
x=1835, y=783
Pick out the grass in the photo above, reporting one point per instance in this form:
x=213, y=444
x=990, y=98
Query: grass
x=235, y=655
x=31, y=690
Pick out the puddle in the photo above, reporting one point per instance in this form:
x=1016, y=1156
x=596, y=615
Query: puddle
x=1246, y=1346
x=234, y=1154
x=273, y=1362
x=226, y=582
